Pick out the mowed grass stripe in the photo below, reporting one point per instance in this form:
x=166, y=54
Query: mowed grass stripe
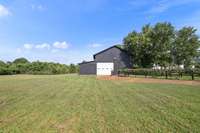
x=71, y=103
x=40, y=102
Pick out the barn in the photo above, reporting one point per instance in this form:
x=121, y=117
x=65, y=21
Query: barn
x=107, y=62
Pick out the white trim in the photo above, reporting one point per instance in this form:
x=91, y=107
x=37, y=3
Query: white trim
x=105, y=68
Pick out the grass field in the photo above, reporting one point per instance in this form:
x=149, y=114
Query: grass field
x=70, y=103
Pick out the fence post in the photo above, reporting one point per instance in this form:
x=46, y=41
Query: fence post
x=146, y=74
x=166, y=74
x=181, y=74
x=192, y=75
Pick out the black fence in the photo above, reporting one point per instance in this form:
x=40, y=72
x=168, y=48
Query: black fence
x=176, y=73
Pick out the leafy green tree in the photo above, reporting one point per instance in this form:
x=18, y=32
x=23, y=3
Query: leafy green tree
x=23, y=66
x=72, y=68
x=152, y=45
x=132, y=45
x=3, y=68
x=162, y=40
x=13, y=68
x=2, y=64
x=186, y=45
x=20, y=61
x=146, y=49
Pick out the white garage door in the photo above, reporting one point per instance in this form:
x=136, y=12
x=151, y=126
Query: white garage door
x=105, y=68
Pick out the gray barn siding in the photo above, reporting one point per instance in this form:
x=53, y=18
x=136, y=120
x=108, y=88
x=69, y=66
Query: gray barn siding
x=115, y=55
x=87, y=68
x=119, y=57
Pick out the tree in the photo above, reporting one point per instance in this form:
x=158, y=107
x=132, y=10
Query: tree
x=72, y=68
x=197, y=61
x=23, y=66
x=20, y=61
x=152, y=45
x=2, y=64
x=162, y=40
x=132, y=45
x=3, y=68
x=186, y=45
x=146, y=50
x=13, y=68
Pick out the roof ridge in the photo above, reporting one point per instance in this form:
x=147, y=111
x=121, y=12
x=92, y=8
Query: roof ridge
x=117, y=46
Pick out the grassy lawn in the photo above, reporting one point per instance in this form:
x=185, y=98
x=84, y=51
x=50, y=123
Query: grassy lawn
x=83, y=104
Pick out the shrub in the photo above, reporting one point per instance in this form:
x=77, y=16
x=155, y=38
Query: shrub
x=5, y=71
x=154, y=73
x=23, y=66
x=146, y=72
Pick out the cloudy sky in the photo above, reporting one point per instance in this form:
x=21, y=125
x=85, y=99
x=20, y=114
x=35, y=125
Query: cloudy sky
x=69, y=31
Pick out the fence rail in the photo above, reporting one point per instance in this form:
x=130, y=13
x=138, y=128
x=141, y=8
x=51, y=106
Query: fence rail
x=177, y=73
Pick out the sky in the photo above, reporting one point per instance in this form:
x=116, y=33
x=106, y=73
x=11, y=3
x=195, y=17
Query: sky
x=70, y=31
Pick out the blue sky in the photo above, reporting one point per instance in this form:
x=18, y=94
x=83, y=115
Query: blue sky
x=69, y=31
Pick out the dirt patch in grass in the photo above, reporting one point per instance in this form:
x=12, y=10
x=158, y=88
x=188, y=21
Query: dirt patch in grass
x=149, y=80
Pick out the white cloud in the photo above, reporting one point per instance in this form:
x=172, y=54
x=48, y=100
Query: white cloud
x=159, y=9
x=95, y=45
x=43, y=46
x=38, y=7
x=164, y=5
x=4, y=11
x=52, y=47
x=28, y=46
x=60, y=45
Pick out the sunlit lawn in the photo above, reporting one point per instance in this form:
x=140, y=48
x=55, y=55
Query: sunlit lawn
x=71, y=103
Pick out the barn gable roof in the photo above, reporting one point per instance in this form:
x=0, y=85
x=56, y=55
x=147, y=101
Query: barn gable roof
x=115, y=46
x=86, y=62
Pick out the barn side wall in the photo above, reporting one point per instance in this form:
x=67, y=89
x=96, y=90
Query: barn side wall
x=120, y=58
x=88, y=68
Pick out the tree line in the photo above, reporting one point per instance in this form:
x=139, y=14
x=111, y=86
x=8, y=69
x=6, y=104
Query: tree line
x=23, y=66
x=163, y=45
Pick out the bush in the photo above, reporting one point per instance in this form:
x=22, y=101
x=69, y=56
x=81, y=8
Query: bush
x=5, y=71
x=23, y=66
x=146, y=72
x=154, y=73
x=197, y=71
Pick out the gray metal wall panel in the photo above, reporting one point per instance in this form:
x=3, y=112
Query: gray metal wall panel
x=119, y=57
x=88, y=68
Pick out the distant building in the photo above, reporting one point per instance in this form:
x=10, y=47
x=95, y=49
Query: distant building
x=107, y=62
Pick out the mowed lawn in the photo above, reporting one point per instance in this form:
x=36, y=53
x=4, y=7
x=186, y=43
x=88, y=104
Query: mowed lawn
x=72, y=103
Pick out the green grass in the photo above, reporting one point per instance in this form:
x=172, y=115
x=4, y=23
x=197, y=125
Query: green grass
x=70, y=103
